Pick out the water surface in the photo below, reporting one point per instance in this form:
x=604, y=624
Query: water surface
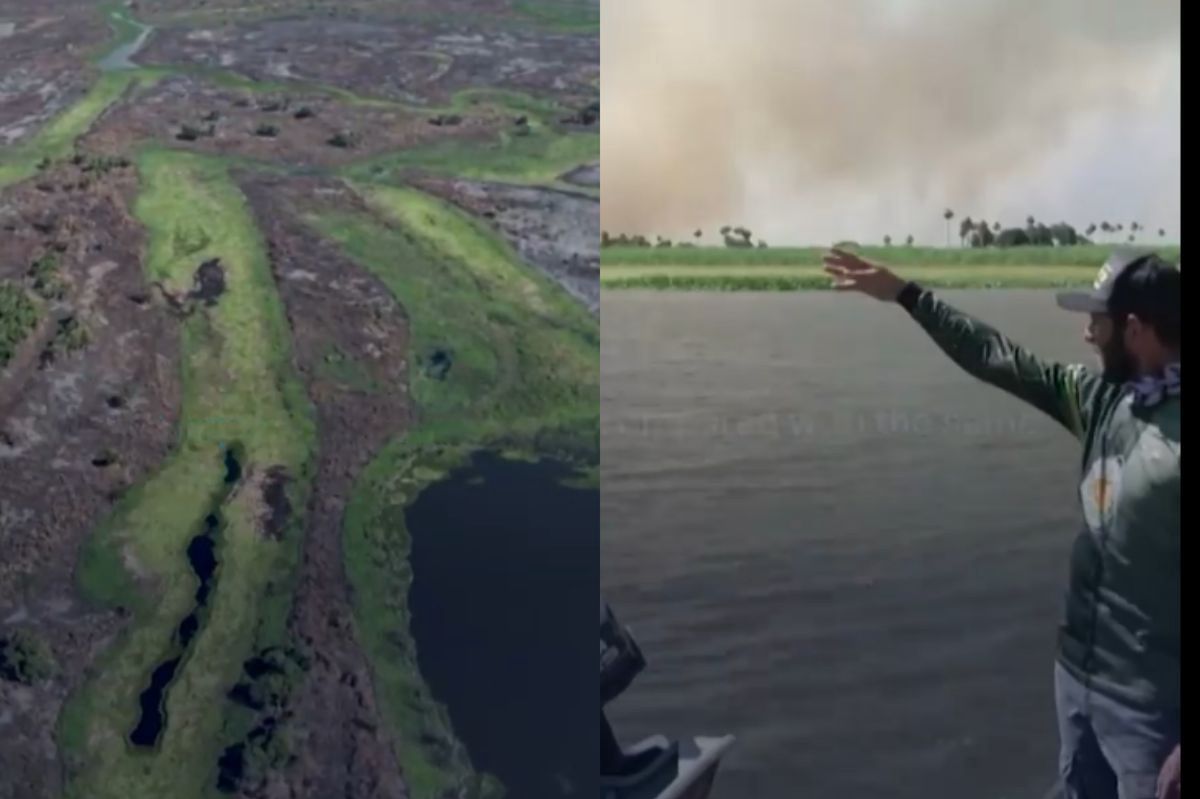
x=834, y=544
x=506, y=564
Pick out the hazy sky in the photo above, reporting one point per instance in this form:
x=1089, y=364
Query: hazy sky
x=811, y=121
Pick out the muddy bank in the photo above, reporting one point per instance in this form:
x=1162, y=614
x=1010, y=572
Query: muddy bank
x=421, y=62
x=556, y=231
x=76, y=429
x=337, y=310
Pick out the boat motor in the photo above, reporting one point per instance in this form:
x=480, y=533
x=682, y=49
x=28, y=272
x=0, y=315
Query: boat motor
x=656, y=768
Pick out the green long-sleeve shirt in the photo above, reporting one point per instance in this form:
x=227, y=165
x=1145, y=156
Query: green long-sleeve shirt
x=1120, y=634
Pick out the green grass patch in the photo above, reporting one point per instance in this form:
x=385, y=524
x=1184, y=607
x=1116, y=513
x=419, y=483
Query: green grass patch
x=566, y=16
x=523, y=378
x=1092, y=255
x=18, y=318
x=796, y=278
x=238, y=386
x=539, y=157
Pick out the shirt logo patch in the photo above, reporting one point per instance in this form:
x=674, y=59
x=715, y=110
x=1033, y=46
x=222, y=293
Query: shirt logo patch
x=1099, y=491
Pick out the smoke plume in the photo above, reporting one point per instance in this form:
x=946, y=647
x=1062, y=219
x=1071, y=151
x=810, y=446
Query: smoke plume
x=805, y=118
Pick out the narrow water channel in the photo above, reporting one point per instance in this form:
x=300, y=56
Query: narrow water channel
x=506, y=581
x=201, y=555
x=121, y=56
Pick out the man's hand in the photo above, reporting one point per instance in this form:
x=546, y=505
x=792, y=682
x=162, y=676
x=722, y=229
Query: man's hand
x=1168, y=778
x=851, y=273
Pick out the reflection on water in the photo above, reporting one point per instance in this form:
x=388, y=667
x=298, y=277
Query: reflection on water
x=833, y=543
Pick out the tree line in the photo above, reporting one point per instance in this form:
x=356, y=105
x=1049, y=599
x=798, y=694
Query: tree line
x=978, y=233
x=971, y=233
x=734, y=236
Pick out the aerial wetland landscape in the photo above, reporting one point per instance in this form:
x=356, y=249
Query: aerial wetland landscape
x=270, y=274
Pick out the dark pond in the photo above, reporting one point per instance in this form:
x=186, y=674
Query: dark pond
x=201, y=554
x=506, y=565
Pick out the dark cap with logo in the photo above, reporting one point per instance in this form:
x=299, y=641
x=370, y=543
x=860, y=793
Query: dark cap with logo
x=1131, y=282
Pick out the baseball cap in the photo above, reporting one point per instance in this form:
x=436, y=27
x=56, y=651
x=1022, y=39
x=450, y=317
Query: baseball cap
x=1132, y=281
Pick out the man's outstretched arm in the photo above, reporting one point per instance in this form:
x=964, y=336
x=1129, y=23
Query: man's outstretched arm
x=1066, y=393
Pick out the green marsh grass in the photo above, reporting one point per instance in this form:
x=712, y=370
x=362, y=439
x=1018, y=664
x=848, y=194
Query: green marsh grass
x=796, y=278
x=1083, y=255
x=238, y=389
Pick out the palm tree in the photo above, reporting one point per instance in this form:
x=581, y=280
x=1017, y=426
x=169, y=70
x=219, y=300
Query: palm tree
x=887, y=241
x=996, y=227
x=698, y=234
x=1162, y=234
x=1030, y=221
x=1091, y=228
x=1105, y=227
x=964, y=229
x=947, y=215
x=909, y=240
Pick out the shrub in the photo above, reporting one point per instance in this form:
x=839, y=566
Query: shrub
x=343, y=140
x=18, y=316
x=24, y=659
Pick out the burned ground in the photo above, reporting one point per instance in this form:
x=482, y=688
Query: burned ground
x=422, y=63
x=336, y=311
x=43, y=52
x=75, y=432
x=194, y=114
x=557, y=231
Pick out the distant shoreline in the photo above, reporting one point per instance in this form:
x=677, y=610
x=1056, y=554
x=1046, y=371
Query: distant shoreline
x=799, y=268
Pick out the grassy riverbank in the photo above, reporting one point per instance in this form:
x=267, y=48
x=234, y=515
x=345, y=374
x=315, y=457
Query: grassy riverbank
x=524, y=379
x=792, y=269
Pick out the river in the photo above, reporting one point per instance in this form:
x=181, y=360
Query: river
x=835, y=545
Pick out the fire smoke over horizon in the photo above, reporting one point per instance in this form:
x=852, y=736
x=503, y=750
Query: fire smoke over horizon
x=815, y=120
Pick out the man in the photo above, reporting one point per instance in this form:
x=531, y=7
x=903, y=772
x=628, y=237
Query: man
x=1117, y=672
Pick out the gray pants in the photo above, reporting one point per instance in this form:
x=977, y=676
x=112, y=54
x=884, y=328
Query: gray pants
x=1108, y=750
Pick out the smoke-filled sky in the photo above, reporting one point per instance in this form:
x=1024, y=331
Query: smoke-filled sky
x=812, y=121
